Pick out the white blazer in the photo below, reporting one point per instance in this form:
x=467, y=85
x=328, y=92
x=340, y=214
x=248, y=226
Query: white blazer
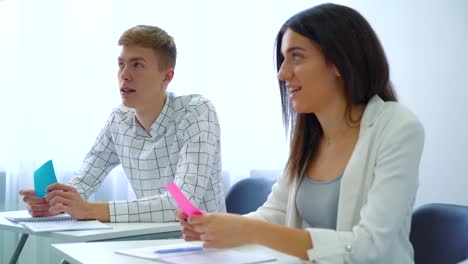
x=377, y=193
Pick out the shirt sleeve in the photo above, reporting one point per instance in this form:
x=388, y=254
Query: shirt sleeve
x=97, y=163
x=389, y=201
x=197, y=156
x=275, y=207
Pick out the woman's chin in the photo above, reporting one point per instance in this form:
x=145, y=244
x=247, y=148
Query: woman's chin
x=298, y=108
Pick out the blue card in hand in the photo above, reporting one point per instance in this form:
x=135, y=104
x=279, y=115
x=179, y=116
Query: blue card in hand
x=43, y=177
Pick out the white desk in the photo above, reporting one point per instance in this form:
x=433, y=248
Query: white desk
x=103, y=252
x=119, y=231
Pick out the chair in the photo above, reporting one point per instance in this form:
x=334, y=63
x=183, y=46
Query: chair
x=439, y=233
x=247, y=195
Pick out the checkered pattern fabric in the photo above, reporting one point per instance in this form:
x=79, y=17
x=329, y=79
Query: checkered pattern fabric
x=183, y=146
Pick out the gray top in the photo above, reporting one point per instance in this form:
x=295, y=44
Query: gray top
x=317, y=202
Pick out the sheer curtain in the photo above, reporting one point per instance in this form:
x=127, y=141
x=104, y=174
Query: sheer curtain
x=58, y=61
x=58, y=84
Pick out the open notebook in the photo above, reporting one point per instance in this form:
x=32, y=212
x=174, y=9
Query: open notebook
x=225, y=256
x=60, y=222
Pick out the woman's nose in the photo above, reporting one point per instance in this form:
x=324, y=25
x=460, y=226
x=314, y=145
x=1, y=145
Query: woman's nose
x=284, y=72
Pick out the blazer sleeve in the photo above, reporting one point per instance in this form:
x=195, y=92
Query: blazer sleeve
x=275, y=207
x=389, y=200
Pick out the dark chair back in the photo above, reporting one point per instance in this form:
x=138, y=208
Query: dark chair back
x=247, y=195
x=439, y=233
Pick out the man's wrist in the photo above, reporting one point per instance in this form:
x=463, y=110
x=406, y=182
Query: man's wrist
x=98, y=211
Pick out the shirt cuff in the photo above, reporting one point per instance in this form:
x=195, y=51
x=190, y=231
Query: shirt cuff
x=327, y=247
x=118, y=211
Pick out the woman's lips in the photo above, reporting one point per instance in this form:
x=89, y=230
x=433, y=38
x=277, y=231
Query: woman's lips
x=294, y=91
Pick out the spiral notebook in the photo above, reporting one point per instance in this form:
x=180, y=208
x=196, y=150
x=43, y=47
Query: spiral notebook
x=61, y=222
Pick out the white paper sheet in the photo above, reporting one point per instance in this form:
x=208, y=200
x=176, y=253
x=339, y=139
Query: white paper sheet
x=224, y=256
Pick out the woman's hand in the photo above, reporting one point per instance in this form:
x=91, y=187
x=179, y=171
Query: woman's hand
x=219, y=230
x=187, y=230
x=230, y=230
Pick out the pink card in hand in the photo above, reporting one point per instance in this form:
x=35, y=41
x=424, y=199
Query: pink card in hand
x=184, y=204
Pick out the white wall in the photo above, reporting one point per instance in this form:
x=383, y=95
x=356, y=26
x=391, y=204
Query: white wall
x=225, y=51
x=426, y=43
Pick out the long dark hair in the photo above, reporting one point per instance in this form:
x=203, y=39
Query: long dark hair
x=347, y=41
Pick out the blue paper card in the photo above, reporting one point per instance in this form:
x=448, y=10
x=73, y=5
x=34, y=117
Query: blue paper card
x=43, y=177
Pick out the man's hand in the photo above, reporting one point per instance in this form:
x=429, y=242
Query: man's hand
x=37, y=206
x=65, y=198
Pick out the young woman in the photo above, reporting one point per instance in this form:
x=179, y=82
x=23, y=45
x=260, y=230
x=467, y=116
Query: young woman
x=348, y=189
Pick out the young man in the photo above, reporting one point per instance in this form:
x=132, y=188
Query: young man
x=157, y=137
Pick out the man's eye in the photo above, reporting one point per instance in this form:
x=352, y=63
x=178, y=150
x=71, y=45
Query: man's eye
x=121, y=65
x=138, y=65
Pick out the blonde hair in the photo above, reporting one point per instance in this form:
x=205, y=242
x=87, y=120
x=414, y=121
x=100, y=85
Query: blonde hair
x=155, y=38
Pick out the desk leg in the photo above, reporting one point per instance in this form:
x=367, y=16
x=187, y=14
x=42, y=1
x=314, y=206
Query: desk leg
x=18, y=249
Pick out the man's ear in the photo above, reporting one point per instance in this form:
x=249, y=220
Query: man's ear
x=168, y=75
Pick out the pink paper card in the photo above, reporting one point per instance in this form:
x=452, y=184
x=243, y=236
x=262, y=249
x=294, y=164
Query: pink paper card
x=184, y=204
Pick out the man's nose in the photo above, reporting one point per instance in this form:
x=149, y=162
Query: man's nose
x=125, y=74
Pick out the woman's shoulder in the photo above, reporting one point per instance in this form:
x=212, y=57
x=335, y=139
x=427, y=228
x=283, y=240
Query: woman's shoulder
x=379, y=112
x=400, y=117
x=391, y=121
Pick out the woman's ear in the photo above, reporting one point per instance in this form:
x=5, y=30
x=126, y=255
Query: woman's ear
x=336, y=71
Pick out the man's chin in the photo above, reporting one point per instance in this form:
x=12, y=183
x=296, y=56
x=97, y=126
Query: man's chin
x=128, y=104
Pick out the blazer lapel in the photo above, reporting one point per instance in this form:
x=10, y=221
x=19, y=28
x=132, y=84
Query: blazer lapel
x=358, y=173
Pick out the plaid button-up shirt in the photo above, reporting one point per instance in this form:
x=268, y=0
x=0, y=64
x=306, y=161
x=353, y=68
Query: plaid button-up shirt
x=183, y=146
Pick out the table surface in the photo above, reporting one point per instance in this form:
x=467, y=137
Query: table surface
x=104, y=252
x=118, y=230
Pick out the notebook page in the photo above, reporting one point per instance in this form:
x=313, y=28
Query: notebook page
x=24, y=216
x=225, y=256
x=65, y=225
x=218, y=256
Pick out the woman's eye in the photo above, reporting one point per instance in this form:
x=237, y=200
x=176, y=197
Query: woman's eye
x=296, y=57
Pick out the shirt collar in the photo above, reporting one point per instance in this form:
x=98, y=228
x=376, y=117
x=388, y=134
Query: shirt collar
x=160, y=124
